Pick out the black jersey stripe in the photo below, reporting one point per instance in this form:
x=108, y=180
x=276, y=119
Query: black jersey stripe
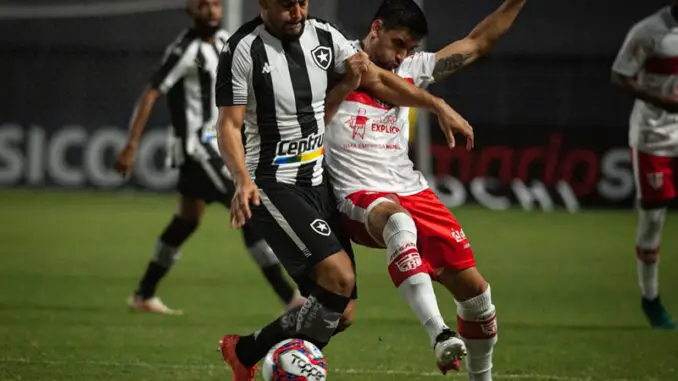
x=303, y=97
x=262, y=84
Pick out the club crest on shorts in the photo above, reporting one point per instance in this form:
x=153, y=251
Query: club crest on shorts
x=322, y=56
x=655, y=180
x=321, y=227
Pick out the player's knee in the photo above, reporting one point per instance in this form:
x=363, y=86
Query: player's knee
x=379, y=217
x=398, y=222
x=336, y=274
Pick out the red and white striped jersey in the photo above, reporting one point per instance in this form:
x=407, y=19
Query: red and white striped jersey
x=367, y=140
x=650, y=54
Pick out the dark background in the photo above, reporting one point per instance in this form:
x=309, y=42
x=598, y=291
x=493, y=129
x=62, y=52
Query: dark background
x=551, y=69
x=549, y=74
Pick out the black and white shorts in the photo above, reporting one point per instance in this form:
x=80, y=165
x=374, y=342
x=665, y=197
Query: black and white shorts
x=205, y=180
x=301, y=224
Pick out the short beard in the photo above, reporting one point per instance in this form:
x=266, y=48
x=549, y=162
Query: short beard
x=205, y=30
x=292, y=38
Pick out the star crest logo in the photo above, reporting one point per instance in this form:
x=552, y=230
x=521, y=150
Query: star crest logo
x=322, y=56
x=321, y=227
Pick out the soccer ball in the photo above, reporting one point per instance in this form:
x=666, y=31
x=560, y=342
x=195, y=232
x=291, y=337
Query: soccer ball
x=294, y=360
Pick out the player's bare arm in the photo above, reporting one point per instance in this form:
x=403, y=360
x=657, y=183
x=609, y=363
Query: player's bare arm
x=233, y=153
x=479, y=42
x=669, y=103
x=393, y=89
x=124, y=163
x=356, y=66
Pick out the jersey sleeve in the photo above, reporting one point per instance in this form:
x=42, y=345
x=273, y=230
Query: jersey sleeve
x=233, y=75
x=173, y=67
x=637, y=47
x=343, y=49
x=419, y=67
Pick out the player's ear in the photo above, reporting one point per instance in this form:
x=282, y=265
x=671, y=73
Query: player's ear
x=377, y=26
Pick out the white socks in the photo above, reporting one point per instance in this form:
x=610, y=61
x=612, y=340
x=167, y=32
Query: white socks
x=648, y=238
x=410, y=275
x=476, y=320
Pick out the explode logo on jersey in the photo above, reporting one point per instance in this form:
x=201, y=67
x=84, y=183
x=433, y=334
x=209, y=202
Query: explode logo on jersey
x=655, y=180
x=358, y=123
x=459, y=235
x=322, y=56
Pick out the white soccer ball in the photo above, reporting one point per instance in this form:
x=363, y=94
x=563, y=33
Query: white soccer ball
x=294, y=360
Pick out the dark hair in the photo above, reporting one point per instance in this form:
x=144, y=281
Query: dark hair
x=403, y=14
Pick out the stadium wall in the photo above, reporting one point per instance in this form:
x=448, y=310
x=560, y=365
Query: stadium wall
x=541, y=104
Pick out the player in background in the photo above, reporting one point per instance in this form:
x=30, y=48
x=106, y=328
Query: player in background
x=274, y=75
x=386, y=203
x=187, y=75
x=647, y=68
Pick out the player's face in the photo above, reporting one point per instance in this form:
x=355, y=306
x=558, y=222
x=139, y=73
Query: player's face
x=391, y=46
x=207, y=12
x=285, y=18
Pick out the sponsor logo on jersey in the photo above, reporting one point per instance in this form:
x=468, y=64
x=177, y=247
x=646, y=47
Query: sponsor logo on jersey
x=387, y=125
x=301, y=150
x=384, y=128
x=358, y=124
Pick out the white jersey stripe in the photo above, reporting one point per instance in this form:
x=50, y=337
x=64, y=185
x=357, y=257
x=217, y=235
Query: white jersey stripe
x=187, y=75
x=285, y=84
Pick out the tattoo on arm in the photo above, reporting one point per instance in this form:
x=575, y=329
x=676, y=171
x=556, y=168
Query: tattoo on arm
x=448, y=65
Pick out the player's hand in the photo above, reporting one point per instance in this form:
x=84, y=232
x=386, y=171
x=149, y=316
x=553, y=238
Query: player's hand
x=246, y=192
x=124, y=163
x=451, y=123
x=356, y=65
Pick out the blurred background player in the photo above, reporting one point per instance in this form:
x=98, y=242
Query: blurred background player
x=187, y=76
x=386, y=203
x=647, y=68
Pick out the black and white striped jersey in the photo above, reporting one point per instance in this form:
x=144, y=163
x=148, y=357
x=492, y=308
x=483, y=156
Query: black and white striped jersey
x=187, y=75
x=283, y=85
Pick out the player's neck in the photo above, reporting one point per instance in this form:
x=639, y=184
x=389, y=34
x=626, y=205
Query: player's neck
x=366, y=45
x=206, y=33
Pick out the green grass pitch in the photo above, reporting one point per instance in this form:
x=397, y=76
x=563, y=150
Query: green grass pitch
x=564, y=286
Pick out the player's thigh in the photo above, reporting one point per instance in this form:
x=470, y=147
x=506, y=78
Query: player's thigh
x=205, y=180
x=361, y=215
x=442, y=243
x=294, y=228
x=654, y=178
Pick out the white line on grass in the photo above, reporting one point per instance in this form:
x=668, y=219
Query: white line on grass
x=366, y=372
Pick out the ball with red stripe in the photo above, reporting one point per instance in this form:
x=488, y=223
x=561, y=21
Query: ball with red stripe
x=294, y=360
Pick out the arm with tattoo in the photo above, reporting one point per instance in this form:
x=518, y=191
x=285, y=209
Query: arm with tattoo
x=465, y=51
